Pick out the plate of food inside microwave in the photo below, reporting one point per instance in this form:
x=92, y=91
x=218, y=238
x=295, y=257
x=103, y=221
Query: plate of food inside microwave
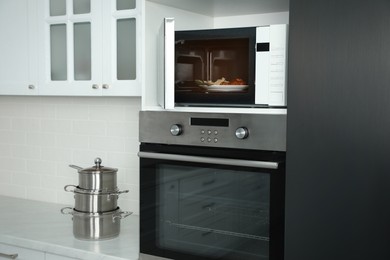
x=223, y=85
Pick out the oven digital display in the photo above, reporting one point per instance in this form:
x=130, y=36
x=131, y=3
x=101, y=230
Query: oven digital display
x=196, y=121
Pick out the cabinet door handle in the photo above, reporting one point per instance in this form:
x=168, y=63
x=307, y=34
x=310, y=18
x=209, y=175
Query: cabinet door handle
x=95, y=86
x=31, y=87
x=9, y=256
x=106, y=86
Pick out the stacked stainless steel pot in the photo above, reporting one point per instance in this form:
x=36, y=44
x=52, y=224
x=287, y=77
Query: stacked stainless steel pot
x=96, y=214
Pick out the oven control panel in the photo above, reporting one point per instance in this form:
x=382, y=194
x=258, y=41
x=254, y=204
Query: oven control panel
x=243, y=131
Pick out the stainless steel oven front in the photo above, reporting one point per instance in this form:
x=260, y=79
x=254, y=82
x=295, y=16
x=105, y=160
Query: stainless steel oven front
x=212, y=186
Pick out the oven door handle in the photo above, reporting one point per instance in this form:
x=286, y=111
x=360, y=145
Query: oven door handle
x=211, y=160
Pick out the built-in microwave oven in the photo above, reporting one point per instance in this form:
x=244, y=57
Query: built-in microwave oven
x=232, y=67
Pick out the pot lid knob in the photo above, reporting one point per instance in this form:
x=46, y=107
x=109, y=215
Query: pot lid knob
x=98, y=161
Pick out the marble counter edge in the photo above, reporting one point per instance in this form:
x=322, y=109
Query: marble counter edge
x=123, y=247
x=56, y=249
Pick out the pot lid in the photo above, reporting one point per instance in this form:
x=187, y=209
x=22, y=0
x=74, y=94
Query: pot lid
x=98, y=168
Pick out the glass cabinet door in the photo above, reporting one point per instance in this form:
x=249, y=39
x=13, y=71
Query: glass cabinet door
x=92, y=47
x=71, y=33
x=72, y=64
x=124, y=42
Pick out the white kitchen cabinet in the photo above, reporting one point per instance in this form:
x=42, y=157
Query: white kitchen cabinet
x=19, y=63
x=6, y=251
x=90, y=47
x=57, y=257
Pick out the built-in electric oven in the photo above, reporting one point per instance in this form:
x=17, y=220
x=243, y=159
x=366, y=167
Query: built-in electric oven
x=212, y=186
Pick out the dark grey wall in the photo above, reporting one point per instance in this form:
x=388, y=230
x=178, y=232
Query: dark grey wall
x=338, y=131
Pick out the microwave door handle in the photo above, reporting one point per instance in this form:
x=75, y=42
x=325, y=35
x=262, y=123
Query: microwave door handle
x=201, y=159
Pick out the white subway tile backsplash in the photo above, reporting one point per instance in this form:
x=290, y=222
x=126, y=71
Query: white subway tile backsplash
x=25, y=179
x=12, y=137
x=5, y=150
x=26, y=151
x=40, y=110
x=26, y=124
x=56, y=154
x=41, y=136
x=12, y=164
x=72, y=112
x=40, y=139
x=121, y=160
x=131, y=143
x=41, y=167
x=56, y=126
x=123, y=129
x=17, y=191
x=5, y=123
x=72, y=141
x=5, y=177
x=110, y=144
x=90, y=128
x=132, y=176
x=10, y=109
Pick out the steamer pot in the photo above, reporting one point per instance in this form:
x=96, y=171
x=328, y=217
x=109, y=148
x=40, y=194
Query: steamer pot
x=94, y=201
x=96, y=226
x=97, y=177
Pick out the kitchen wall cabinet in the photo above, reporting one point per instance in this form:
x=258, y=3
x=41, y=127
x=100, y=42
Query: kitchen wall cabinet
x=57, y=257
x=91, y=48
x=19, y=59
x=337, y=179
x=23, y=253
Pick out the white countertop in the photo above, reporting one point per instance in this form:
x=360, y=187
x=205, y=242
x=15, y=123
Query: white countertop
x=41, y=226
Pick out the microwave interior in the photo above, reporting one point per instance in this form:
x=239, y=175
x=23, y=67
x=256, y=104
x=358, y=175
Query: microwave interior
x=215, y=67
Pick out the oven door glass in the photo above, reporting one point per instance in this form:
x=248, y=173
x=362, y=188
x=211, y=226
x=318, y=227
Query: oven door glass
x=208, y=211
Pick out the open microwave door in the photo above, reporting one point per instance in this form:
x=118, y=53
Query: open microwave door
x=166, y=70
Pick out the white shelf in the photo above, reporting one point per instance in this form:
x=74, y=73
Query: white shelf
x=220, y=8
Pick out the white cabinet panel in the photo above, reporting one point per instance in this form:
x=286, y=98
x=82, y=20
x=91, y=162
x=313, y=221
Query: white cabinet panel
x=18, y=67
x=23, y=253
x=57, y=257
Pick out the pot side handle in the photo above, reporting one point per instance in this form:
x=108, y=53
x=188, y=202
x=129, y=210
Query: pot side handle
x=65, y=212
x=120, y=215
x=117, y=193
x=75, y=167
x=69, y=185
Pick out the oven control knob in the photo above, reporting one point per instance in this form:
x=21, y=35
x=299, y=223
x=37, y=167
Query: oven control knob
x=242, y=133
x=176, y=130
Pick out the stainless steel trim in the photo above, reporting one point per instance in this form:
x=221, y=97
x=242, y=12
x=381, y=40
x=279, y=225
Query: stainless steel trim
x=200, y=159
x=9, y=256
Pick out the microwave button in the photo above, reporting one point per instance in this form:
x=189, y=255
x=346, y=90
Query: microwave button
x=215, y=132
x=202, y=131
x=209, y=132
